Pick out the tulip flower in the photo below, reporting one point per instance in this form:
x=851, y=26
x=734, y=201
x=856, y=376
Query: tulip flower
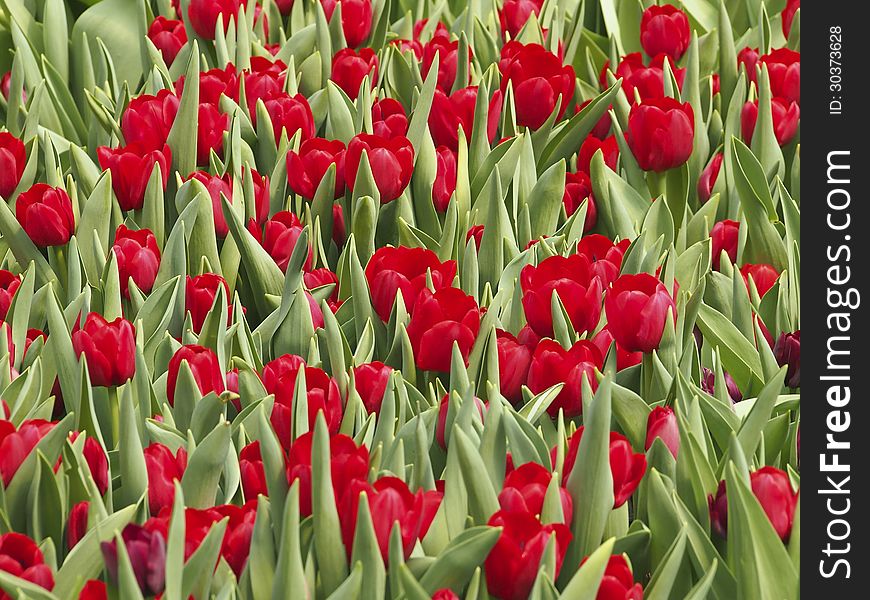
x=602, y=127
x=444, y=594
x=617, y=583
x=451, y=111
x=524, y=490
x=708, y=178
x=77, y=524
x=13, y=158
x=98, y=463
x=664, y=29
x=94, y=589
x=609, y=150
x=791, y=7
x=764, y=276
x=788, y=353
x=22, y=558
x=661, y=133
x=348, y=463
x=290, y=114
x=772, y=488
x=319, y=278
x=138, y=258
x=552, y=364
x=724, y=236
x=371, y=381
x=569, y=277
x=390, y=501
x=203, y=15
x=199, y=296
x=253, y=473
x=786, y=117
x=514, y=14
x=279, y=378
x=626, y=466
x=356, y=19
x=306, y=168
x=349, y=68
x=784, y=70
x=445, y=178
x=392, y=270
x=147, y=553
x=391, y=162
x=389, y=119
x=662, y=423
x=514, y=360
x=46, y=215
x=266, y=81
x=437, y=322
x=624, y=359
x=448, y=59
x=440, y=29
x=512, y=565
x=708, y=384
x=6, y=84
x=16, y=444
x=163, y=468
x=147, y=120
x=578, y=188
x=210, y=132
x=203, y=363
x=748, y=57
x=636, y=308
x=214, y=83
x=640, y=79
x=168, y=36
x=108, y=347
x=278, y=237
x=9, y=284
x=539, y=80
x=131, y=168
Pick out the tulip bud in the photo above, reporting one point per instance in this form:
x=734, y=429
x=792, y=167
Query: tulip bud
x=786, y=117
x=9, y=284
x=210, y=132
x=77, y=524
x=94, y=589
x=440, y=29
x=279, y=378
x=391, y=270
x=109, y=348
x=571, y=278
x=147, y=120
x=636, y=308
x=578, y=187
x=356, y=19
x=772, y=488
x=450, y=112
x=306, y=168
x=515, y=13
x=371, y=381
x=203, y=364
x=448, y=58
x=199, y=295
x=764, y=276
x=524, y=490
x=609, y=150
x=788, y=352
x=131, y=168
x=708, y=383
x=163, y=468
x=253, y=473
x=444, y=594
x=290, y=114
x=349, y=68
x=391, y=161
x=514, y=360
x=724, y=237
x=617, y=583
x=21, y=557
x=437, y=322
x=321, y=277
x=98, y=463
x=748, y=57
x=13, y=158
x=278, y=237
x=664, y=29
x=348, y=462
x=16, y=444
x=662, y=423
x=624, y=359
x=203, y=15
x=389, y=119
x=708, y=178
x=445, y=178
x=661, y=133
x=791, y=7
x=138, y=258
x=147, y=553
x=539, y=81
x=784, y=70
x=46, y=215
x=168, y=36
x=552, y=364
x=602, y=127
x=213, y=83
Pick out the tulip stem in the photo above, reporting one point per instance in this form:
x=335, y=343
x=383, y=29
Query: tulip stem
x=114, y=415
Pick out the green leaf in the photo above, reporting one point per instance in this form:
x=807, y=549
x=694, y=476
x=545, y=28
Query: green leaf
x=456, y=564
x=204, y=468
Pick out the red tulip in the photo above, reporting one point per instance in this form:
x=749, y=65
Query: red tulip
x=437, y=321
x=786, y=117
x=21, y=557
x=524, y=490
x=147, y=120
x=391, y=161
x=199, y=295
x=77, y=524
x=278, y=237
x=636, y=308
x=626, y=466
x=708, y=178
x=440, y=29
x=163, y=468
x=708, y=382
x=578, y=187
x=371, y=380
x=602, y=127
x=772, y=488
x=609, y=150
x=265, y=81
x=389, y=119
x=512, y=565
x=784, y=70
x=284, y=6
x=279, y=378
x=203, y=363
x=450, y=112
x=441, y=424
x=624, y=359
x=13, y=158
x=109, y=348
x=618, y=581
x=203, y=15
x=514, y=360
x=348, y=462
x=253, y=473
x=210, y=133
x=98, y=463
x=444, y=594
x=552, y=364
x=662, y=423
x=539, y=81
x=356, y=19
x=138, y=258
x=16, y=444
x=147, y=553
x=9, y=284
x=131, y=168
x=748, y=57
x=390, y=501
x=661, y=133
x=168, y=36
x=646, y=80
x=764, y=276
x=788, y=353
x=445, y=178
x=605, y=256
x=6, y=84
x=94, y=589
x=290, y=114
x=788, y=13
x=321, y=277
x=570, y=277
x=349, y=68
x=306, y=168
x=392, y=270
x=448, y=58
x=724, y=238
x=214, y=83
x=515, y=13
x=46, y=215
x=664, y=29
